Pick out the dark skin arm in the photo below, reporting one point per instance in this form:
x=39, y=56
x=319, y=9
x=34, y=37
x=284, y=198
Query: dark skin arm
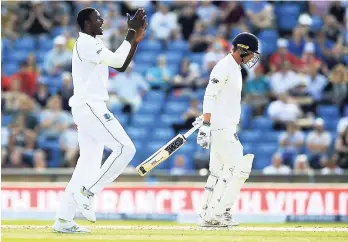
x=134, y=37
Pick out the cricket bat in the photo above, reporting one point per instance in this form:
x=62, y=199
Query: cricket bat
x=164, y=152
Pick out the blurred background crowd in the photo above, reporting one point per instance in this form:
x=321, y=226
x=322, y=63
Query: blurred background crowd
x=295, y=101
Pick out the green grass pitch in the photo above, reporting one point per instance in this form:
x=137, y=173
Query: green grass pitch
x=146, y=231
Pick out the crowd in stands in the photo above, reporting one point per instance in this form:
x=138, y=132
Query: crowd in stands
x=298, y=93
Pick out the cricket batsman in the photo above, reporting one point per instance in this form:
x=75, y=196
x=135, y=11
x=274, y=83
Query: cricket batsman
x=229, y=169
x=97, y=126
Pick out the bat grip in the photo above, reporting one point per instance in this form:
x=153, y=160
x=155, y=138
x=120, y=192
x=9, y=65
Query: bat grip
x=191, y=131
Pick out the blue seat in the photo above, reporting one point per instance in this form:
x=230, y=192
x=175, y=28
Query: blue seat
x=317, y=23
x=143, y=120
x=175, y=108
x=287, y=15
x=178, y=45
x=6, y=120
x=18, y=56
x=150, y=108
x=155, y=96
x=270, y=136
x=137, y=132
x=145, y=57
x=25, y=43
x=173, y=57
x=53, y=148
x=235, y=32
x=150, y=45
x=10, y=68
x=163, y=134
x=331, y=125
x=121, y=118
x=142, y=68
x=253, y=136
x=166, y=120
x=174, y=68
x=345, y=113
x=196, y=58
x=262, y=123
x=247, y=148
x=328, y=111
x=261, y=161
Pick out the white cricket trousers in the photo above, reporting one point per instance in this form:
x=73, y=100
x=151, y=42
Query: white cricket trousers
x=97, y=127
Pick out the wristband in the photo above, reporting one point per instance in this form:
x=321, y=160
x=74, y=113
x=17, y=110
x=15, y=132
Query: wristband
x=206, y=123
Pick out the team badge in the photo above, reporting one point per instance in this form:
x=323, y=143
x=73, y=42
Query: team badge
x=107, y=117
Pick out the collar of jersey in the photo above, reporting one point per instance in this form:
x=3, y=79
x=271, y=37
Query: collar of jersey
x=86, y=36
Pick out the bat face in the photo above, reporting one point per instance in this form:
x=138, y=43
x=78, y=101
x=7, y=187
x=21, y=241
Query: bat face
x=161, y=155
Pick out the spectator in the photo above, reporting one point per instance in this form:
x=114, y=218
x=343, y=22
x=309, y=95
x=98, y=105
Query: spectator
x=159, y=76
x=22, y=143
x=199, y=40
x=40, y=160
x=233, y=15
x=283, y=80
x=330, y=166
x=203, y=79
x=13, y=97
x=37, y=20
x=261, y=15
x=338, y=11
x=176, y=35
x=283, y=111
x=291, y=143
x=116, y=36
x=10, y=26
x=215, y=53
x=323, y=46
x=257, y=91
x=282, y=55
x=341, y=149
x=53, y=121
x=277, y=167
x=32, y=65
x=16, y=160
x=207, y=12
x=318, y=143
x=304, y=24
x=58, y=59
x=332, y=29
x=187, y=76
x=317, y=84
x=70, y=41
x=27, y=78
x=308, y=59
x=58, y=10
x=187, y=21
x=188, y=117
x=163, y=22
x=27, y=109
x=301, y=166
x=69, y=146
x=179, y=166
x=66, y=91
x=42, y=95
x=337, y=92
x=297, y=42
x=342, y=125
x=129, y=94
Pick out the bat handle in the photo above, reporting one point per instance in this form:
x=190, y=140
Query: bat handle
x=191, y=131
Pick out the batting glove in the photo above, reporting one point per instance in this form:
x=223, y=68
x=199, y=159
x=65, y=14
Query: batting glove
x=198, y=122
x=203, y=137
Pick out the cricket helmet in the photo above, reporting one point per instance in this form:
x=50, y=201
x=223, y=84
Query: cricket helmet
x=245, y=42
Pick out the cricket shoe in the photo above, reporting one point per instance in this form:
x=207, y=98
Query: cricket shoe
x=84, y=201
x=65, y=226
x=211, y=224
x=226, y=219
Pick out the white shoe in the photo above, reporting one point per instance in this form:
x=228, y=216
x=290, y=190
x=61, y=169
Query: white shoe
x=64, y=226
x=226, y=219
x=84, y=201
x=203, y=223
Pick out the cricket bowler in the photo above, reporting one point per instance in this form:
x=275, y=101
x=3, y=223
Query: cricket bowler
x=229, y=169
x=97, y=126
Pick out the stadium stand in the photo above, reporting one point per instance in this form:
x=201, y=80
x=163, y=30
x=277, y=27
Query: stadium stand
x=151, y=125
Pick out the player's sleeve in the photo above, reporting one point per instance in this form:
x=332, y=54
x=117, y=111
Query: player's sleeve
x=217, y=80
x=100, y=54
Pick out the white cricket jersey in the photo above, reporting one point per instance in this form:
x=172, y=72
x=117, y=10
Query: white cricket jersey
x=90, y=71
x=223, y=94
